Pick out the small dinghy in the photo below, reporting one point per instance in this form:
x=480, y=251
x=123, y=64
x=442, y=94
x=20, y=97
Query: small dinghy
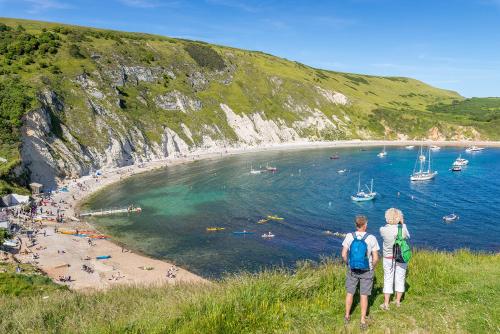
x=334, y=157
x=456, y=168
x=342, y=171
x=451, y=218
x=268, y=235
x=410, y=147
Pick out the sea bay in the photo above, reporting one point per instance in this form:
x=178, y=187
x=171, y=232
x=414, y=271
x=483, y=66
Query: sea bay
x=180, y=202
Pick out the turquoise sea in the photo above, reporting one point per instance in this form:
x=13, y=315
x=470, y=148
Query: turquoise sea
x=180, y=202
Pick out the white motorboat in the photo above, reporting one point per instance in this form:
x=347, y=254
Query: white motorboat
x=423, y=174
x=435, y=148
x=342, y=171
x=461, y=161
x=410, y=147
x=474, y=148
x=268, y=235
x=456, y=168
x=451, y=218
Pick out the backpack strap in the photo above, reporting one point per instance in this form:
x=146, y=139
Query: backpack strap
x=400, y=231
x=365, y=236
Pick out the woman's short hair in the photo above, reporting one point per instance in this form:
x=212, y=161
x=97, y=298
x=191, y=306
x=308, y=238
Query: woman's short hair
x=394, y=216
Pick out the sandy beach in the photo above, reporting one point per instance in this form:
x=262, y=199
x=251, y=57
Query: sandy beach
x=65, y=255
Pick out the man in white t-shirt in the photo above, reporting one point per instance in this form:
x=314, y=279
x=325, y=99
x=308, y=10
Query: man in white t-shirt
x=363, y=277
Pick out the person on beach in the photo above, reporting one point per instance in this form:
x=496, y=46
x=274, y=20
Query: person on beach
x=394, y=272
x=360, y=253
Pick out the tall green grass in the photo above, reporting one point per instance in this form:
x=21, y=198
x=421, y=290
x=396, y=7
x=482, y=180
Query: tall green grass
x=447, y=293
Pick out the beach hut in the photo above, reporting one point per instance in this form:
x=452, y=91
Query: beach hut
x=36, y=188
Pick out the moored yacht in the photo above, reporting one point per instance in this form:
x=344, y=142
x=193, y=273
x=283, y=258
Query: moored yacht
x=361, y=195
x=421, y=174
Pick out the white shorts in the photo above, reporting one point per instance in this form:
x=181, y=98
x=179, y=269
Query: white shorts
x=394, y=280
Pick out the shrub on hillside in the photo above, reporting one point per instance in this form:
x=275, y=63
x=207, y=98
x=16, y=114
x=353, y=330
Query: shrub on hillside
x=205, y=56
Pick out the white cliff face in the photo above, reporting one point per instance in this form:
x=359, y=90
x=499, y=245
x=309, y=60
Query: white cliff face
x=254, y=129
x=49, y=159
x=175, y=100
x=333, y=97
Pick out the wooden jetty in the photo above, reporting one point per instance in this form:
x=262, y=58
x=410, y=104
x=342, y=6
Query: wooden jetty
x=106, y=212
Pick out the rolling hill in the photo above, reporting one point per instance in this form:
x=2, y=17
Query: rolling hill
x=76, y=99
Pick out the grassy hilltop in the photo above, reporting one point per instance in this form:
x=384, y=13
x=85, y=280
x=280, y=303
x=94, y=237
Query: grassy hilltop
x=100, y=87
x=447, y=293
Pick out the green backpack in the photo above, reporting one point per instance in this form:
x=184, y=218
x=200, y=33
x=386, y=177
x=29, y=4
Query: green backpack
x=401, y=250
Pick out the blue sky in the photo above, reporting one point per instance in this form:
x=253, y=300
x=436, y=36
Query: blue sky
x=453, y=44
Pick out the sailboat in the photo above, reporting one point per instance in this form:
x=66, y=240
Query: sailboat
x=361, y=195
x=383, y=153
x=421, y=174
x=254, y=171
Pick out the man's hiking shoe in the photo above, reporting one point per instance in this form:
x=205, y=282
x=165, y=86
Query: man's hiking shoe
x=347, y=320
x=363, y=326
x=384, y=307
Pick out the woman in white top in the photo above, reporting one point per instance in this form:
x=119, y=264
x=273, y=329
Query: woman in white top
x=394, y=273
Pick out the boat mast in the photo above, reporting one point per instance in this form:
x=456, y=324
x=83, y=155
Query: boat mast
x=359, y=183
x=429, y=166
x=420, y=158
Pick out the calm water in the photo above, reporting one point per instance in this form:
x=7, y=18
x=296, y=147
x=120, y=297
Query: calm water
x=180, y=202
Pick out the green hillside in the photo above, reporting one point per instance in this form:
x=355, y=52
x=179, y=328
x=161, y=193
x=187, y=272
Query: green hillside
x=447, y=293
x=99, y=87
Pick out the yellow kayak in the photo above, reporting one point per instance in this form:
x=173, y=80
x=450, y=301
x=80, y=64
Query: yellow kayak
x=275, y=218
x=211, y=229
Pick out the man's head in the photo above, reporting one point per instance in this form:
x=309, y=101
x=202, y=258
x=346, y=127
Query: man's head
x=361, y=223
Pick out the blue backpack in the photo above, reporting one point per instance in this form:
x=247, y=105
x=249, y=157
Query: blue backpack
x=358, y=253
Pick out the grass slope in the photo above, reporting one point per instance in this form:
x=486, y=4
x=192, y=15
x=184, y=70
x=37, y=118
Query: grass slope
x=447, y=293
